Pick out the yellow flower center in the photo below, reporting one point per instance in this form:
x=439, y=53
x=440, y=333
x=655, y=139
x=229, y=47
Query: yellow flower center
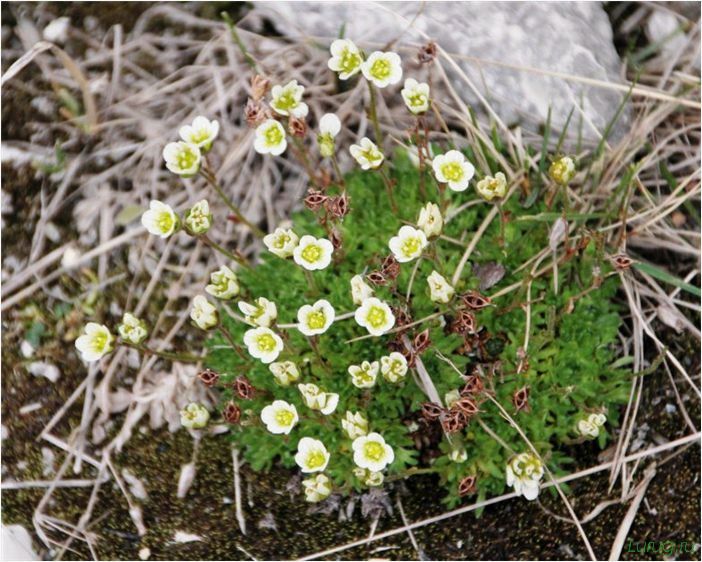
x=316, y=320
x=311, y=253
x=186, y=158
x=371, y=154
x=165, y=222
x=417, y=99
x=281, y=241
x=374, y=451
x=199, y=136
x=265, y=342
x=376, y=317
x=380, y=69
x=315, y=459
x=364, y=377
x=396, y=367
x=410, y=246
x=349, y=61
x=284, y=417
x=274, y=135
x=286, y=100
x=99, y=341
x=452, y=171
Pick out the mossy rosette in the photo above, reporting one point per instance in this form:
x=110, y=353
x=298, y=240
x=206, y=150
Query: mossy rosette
x=571, y=356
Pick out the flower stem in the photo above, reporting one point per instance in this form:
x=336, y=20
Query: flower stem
x=337, y=170
x=238, y=259
x=374, y=115
x=302, y=155
x=182, y=357
x=311, y=282
x=230, y=339
x=388, y=187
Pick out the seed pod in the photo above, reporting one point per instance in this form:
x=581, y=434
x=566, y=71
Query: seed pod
x=208, y=377
x=431, y=411
x=621, y=262
x=520, y=399
x=466, y=406
x=377, y=278
x=427, y=53
x=338, y=207
x=336, y=239
x=297, y=127
x=259, y=86
x=390, y=267
x=232, y=412
x=474, y=300
x=244, y=389
x=473, y=387
x=467, y=486
x=315, y=199
x=254, y=113
x=402, y=316
x=453, y=421
x=421, y=341
x=464, y=323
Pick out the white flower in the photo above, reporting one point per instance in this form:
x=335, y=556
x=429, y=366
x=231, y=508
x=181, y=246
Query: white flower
x=430, y=220
x=453, y=168
x=382, y=68
x=194, y=416
x=201, y=133
x=263, y=344
x=160, y=219
x=95, y=343
x=364, y=375
x=590, y=427
x=355, y=425
x=270, y=138
x=416, y=96
x=368, y=477
x=223, y=284
x=375, y=316
x=439, y=289
x=285, y=372
x=346, y=58
x=132, y=329
x=316, y=318
x=287, y=100
x=182, y=158
x=367, y=154
x=524, y=471
x=317, y=488
x=313, y=253
x=408, y=244
x=458, y=455
x=562, y=170
x=281, y=242
x=312, y=455
x=198, y=219
x=371, y=452
x=329, y=127
x=279, y=417
x=489, y=188
x=263, y=313
x=360, y=291
x=203, y=313
x=393, y=366
x=317, y=399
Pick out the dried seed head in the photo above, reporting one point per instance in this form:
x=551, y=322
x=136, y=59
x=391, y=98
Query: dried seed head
x=421, y=341
x=431, y=411
x=427, y=53
x=464, y=323
x=390, y=267
x=621, y=262
x=402, y=316
x=315, y=199
x=244, y=389
x=208, y=377
x=474, y=300
x=473, y=387
x=453, y=421
x=259, y=87
x=338, y=207
x=520, y=399
x=232, y=412
x=467, y=486
x=255, y=113
x=466, y=405
x=297, y=127
x=377, y=278
x=336, y=239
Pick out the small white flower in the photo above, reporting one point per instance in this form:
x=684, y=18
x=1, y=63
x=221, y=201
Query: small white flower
x=439, y=289
x=393, y=366
x=182, y=158
x=316, y=318
x=371, y=452
x=132, y=329
x=562, y=170
x=201, y=133
x=223, y=284
x=367, y=154
x=382, y=68
x=287, y=100
x=313, y=253
x=317, y=399
x=194, y=416
x=95, y=343
x=430, y=220
x=263, y=344
x=262, y=313
x=490, y=188
x=368, y=477
x=360, y=290
x=270, y=138
x=355, y=425
x=590, y=427
x=329, y=127
x=458, y=455
x=198, y=219
x=408, y=244
x=160, y=219
x=203, y=313
x=524, y=471
x=346, y=58
x=285, y=372
x=281, y=242
x=453, y=168
x=365, y=374
x=312, y=455
x=279, y=417
x=375, y=316
x=317, y=488
x=416, y=96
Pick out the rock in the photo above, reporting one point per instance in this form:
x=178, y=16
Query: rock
x=566, y=37
x=43, y=369
x=17, y=544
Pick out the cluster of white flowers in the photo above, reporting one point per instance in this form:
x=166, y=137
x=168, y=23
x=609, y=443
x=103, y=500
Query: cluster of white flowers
x=185, y=156
x=308, y=252
x=590, y=426
x=524, y=473
x=393, y=368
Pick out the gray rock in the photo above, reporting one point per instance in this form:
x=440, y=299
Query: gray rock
x=566, y=37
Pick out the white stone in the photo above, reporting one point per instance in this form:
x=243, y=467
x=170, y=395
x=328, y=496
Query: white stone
x=17, y=544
